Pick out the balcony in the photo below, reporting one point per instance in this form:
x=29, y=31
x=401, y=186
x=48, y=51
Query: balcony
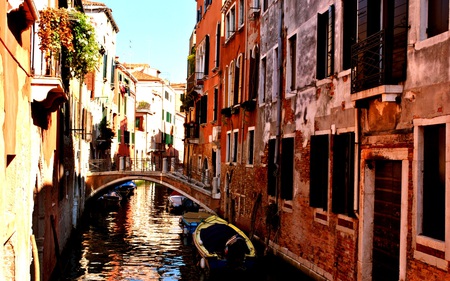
x=379, y=65
x=46, y=83
x=191, y=132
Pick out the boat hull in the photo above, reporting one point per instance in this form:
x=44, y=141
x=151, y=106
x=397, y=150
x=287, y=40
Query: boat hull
x=223, y=246
x=190, y=220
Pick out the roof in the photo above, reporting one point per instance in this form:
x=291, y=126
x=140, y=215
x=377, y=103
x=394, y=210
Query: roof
x=93, y=6
x=141, y=76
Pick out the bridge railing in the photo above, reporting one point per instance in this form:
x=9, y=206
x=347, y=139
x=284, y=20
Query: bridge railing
x=200, y=177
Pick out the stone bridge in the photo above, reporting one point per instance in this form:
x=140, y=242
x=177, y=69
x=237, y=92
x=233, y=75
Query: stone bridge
x=208, y=199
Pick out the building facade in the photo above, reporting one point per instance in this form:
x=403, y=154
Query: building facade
x=339, y=164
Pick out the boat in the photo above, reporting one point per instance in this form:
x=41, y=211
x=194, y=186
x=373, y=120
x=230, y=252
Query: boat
x=111, y=199
x=126, y=189
x=190, y=220
x=223, y=246
x=175, y=203
x=179, y=204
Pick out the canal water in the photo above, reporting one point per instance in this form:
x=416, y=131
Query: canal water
x=142, y=240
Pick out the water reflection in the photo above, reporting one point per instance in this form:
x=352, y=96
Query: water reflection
x=140, y=240
x=137, y=241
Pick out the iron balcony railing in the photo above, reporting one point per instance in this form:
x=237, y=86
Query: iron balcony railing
x=369, y=62
x=380, y=59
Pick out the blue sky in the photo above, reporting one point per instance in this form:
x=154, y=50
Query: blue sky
x=155, y=32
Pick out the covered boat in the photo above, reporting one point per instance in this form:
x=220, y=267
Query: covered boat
x=126, y=189
x=190, y=220
x=222, y=245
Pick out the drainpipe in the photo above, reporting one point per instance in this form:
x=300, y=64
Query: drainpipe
x=356, y=165
x=279, y=96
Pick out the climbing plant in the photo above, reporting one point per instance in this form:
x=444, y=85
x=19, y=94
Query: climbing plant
x=70, y=32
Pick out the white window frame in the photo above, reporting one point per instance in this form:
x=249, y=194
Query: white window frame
x=262, y=80
x=230, y=22
x=235, y=146
x=443, y=246
x=241, y=15
x=275, y=74
x=228, y=147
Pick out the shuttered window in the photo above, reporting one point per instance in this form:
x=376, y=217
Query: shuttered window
x=349, y=36
x=287, y=168
x=437, y=17
x=325, y=43
x=343, y=173
x=319, y=171
x=271, y=168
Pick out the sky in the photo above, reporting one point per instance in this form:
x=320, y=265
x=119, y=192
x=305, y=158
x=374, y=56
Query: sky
x=156, y=32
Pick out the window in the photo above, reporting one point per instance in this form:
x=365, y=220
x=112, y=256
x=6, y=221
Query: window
x=241, y=13
x=201, y=110
x=325, y=43
x=230, y=22
x=216, y=64
x=230, y=84
x=271, y=169
x=199, y=14
x=287, y=168
x=204, y=110
x=105, y=66
x=254, y=73
x=433, y=185
x=343, y=173
x=250, y=145
x=216, y=103
x=265, y=5
x=349, y=36
x=228, y=147
x=237, y=81
x=275, y=75
x=292, y=62
x=202, y=58
x=262, y=84
x=168, y=117
x=139, y=123
x=126, y=137
x=166, y=95
x=318, y=183
x=235, y=146
x=380, y=55
x=438, y=13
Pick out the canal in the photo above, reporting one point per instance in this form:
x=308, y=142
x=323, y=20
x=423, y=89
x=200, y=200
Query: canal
x=141, y=240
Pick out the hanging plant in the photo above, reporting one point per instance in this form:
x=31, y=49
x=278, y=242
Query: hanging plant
x=54, y=31
x=69, y=31
x=86, y=51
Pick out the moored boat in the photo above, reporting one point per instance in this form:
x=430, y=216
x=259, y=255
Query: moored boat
x=190, y=220
x=126, y=189
x=223, y=246
x=111, y=199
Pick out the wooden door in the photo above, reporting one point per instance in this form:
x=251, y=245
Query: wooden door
x=387, y=208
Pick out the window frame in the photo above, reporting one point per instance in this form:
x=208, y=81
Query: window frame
x=319, y=195
x=292, y=63
x=235, y=146
x=230, y=22
x=250, y=146
x=424, y=245
x=325, y=43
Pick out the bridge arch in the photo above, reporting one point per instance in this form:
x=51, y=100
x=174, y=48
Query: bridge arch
x=99, y=182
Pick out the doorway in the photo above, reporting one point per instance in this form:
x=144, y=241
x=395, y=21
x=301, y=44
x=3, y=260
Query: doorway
x=386, y=227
